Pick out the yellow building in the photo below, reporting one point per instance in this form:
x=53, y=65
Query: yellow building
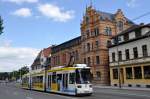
x=129, y=53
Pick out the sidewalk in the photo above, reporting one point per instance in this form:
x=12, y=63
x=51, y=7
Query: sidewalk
x=127, y=88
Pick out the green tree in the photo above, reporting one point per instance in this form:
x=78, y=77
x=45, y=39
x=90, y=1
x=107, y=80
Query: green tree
x=4, y=76
x=1, y=26
x=24, y=70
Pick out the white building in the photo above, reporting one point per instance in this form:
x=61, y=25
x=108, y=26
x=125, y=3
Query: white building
x=129, y=53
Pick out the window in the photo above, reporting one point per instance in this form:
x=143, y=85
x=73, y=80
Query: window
x=129, y=73
x=65, y=80
x=76, y=55
x=120, y=56
x=135, y=52
x=97, y=60
x=84, y=47
x=147, y=72
x=59, y=78
x=92, y=46
x=98, y=74
x=64, y=58
x=101, y=18
x=113, y=57
x=72, y=78
x=84, y=60
x=88, y=47
x=120, y=26
x=108, y=31
x=54, y=78
x=96, y=31
x=137, y=73
x=58, y=57
x=89, y=60
x=115, y=73
x=144, y=50
x=49, y=60
x=137, y=33
x=88, y=33
x=97, y=44
x=126, y=37
x=127, y=54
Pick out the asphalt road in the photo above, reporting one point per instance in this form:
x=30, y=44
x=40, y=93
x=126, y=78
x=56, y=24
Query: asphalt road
x=10, y=91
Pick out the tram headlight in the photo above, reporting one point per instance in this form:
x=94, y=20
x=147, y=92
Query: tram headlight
x=79, y=86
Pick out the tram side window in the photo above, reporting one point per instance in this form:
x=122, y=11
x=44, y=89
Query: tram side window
x=59, y=77
x=54, y=78
x=78, y=80
x=72, y=78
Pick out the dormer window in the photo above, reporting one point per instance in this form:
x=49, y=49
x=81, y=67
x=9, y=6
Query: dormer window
x=126, y=37
x=120, y=25
x=108, y=31
x=137, y=33
x=101, y=18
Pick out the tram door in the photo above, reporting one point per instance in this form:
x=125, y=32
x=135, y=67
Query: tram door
x=65, y=81
x=59, y=81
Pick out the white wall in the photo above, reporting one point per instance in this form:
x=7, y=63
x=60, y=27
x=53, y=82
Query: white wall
x=130, y=46
x=132, y=35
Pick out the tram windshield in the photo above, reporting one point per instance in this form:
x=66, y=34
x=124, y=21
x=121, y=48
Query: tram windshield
x=83, y=76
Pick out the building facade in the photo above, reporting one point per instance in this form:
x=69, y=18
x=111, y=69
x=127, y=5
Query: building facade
x=129, y=53
x=91, y=47
x=97, y=28
x=61, y=54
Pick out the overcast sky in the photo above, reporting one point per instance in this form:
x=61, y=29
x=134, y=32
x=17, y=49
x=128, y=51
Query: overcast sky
x=31, y=25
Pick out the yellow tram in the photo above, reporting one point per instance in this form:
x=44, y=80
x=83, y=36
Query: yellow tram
x=75, y=80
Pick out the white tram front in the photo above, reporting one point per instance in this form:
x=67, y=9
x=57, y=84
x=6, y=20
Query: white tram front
x=70, y=80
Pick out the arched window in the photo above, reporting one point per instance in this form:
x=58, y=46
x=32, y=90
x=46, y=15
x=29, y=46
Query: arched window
x=108, y=31
x=120, y=26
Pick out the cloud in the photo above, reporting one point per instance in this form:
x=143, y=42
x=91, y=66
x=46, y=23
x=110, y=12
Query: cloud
x=132, y=3
x=13, y=58
x=23, y=12
x=21, y=1
x=55, y=13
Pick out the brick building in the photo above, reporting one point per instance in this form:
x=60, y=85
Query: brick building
x=91, y=47
x=61, y=53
